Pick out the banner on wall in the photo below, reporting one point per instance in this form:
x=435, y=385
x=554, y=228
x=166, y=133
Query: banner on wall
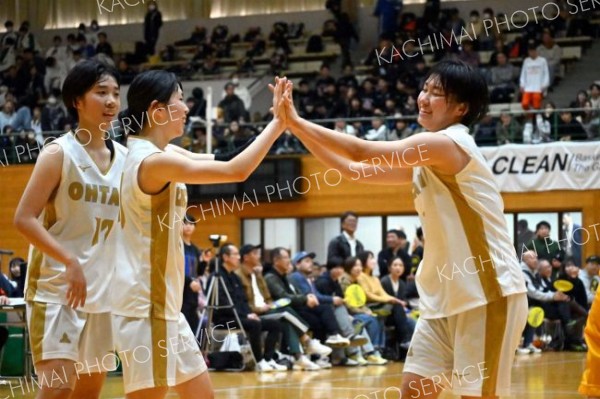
x=542, y=167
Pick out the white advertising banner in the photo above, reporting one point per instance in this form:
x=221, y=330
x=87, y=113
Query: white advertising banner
x=542, y=167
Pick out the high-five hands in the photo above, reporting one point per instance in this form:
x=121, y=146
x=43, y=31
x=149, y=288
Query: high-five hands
x=279, y=108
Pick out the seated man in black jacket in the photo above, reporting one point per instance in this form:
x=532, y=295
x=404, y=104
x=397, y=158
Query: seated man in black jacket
x=396, y=246
x=229, y=257
x=320, y=317
x=393, y=284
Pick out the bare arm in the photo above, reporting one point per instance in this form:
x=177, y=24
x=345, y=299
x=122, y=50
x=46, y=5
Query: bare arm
x=189, y=154
x=162, y=168
x=39, y=191
x=424, y=149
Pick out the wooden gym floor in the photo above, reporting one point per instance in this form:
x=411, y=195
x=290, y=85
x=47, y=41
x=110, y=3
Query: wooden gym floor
x=546, y=376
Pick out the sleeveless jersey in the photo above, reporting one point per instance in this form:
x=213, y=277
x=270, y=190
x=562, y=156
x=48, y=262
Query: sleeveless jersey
x=82, y=216
x=150, y=277
x=469, y=259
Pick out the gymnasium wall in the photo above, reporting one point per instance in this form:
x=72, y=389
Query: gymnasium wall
x=324, y=197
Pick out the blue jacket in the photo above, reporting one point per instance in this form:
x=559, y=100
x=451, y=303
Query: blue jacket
x=298, y=280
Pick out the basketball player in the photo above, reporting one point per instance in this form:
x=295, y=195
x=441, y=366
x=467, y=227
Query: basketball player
x=148, y=284
x=68, y=213
x=472, y=315
x=590, y=381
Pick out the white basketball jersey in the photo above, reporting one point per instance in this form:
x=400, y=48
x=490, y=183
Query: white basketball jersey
x=469, y=259
x=150, y=277
x=82, y=217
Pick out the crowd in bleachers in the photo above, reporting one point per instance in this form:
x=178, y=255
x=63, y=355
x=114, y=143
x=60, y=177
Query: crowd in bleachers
x=384, y=94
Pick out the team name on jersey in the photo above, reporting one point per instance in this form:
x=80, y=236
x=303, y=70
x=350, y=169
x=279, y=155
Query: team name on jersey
x=96, y=193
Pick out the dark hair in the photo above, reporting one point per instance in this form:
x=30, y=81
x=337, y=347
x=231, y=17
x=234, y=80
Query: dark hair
x=392, y=261
x=464, y=84
x=542, y=223
x=57, y=37
x=224, y=250
x=420, y=233
x=276, y=252
x=398, y=233
x=347, y=214
x=146, y=87
x=189, y=219
x=350, y=262
x=364, y=256
x=596, y=85
x=9, y=24
x=81, y=79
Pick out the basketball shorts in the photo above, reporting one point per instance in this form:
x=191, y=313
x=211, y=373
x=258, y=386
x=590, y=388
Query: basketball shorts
x=58, y=331
x=531, y=100
x=156, y=353
x=590, y=381
x=470, y=353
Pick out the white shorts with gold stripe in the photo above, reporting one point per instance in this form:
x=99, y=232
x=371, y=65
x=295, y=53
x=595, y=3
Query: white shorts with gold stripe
x=156, y=353
x=58, y=331
x=470, y=353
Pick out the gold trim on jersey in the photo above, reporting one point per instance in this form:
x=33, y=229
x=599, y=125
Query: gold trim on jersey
x=159, y=249
x=112, y=160
x=37, y=326
x=159, y=358
x=473, y=226
x=37, y=257
x=495, y=327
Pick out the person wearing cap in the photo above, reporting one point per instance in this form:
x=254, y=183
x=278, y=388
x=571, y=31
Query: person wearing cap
x=294, y=328
x=534, y=81
x=302, y=281
x=590, y=278
x=320, y=317
x=542, y=244
x=229, y=257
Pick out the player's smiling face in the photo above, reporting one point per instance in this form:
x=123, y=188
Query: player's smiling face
x=176, y=113
x=437, y=110
x=100, y=105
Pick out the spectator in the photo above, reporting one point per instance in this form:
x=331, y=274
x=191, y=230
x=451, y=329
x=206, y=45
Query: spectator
x=8, y=56
x=534, y=82
x=579, y=102
x=543, y=246
x=485, y=131
x=380, y=302
x=348, y=77
x=468, y=55
x=589, y=277
x=394, y=284
x=26, y=40
x=573, y=239
x=237, y=136
x=36, y=124
x=502, y=80
x=379, y=131
x=232, y=105
x=396, y=247
x=261, y=303
x=499, y=48
x=557, y=266
x=547, y=123
x=127, y=73
x=363, y=314
x=252, y=324
x=595, y=96
x=569, y=128
x=342, y=127
x=17, y=119
x=578, y=294
x=345, y=244
x=552, y=53
x=320, y=318
x=54, y=114
x=104, y=47
x=388, y=12
x=507, y=129
x=55, y=75
x=538, y=296
x=17, y=268
x=402, y=130
x=241, y=91
x=152, y=24
x=588, y=120
x=9, y=34
x=476, y=28
x=192, y=287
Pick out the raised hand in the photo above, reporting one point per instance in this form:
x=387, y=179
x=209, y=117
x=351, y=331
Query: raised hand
x=292, y=114
x=278, y=109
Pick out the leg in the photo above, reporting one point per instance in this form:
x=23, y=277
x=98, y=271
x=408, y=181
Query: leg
x=590, y=380
x=150, y=393
x=199, y=387
x=51, y=386
x=89, y=385
x=415, y=386
x=253, y=329
x=273, y=329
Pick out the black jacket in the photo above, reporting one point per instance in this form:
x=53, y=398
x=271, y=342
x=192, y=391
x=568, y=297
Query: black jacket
x=236, y=291
x=385, y=257
x=386, y=282
x=279, y=287
x=339, y=249
x=327, y=286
